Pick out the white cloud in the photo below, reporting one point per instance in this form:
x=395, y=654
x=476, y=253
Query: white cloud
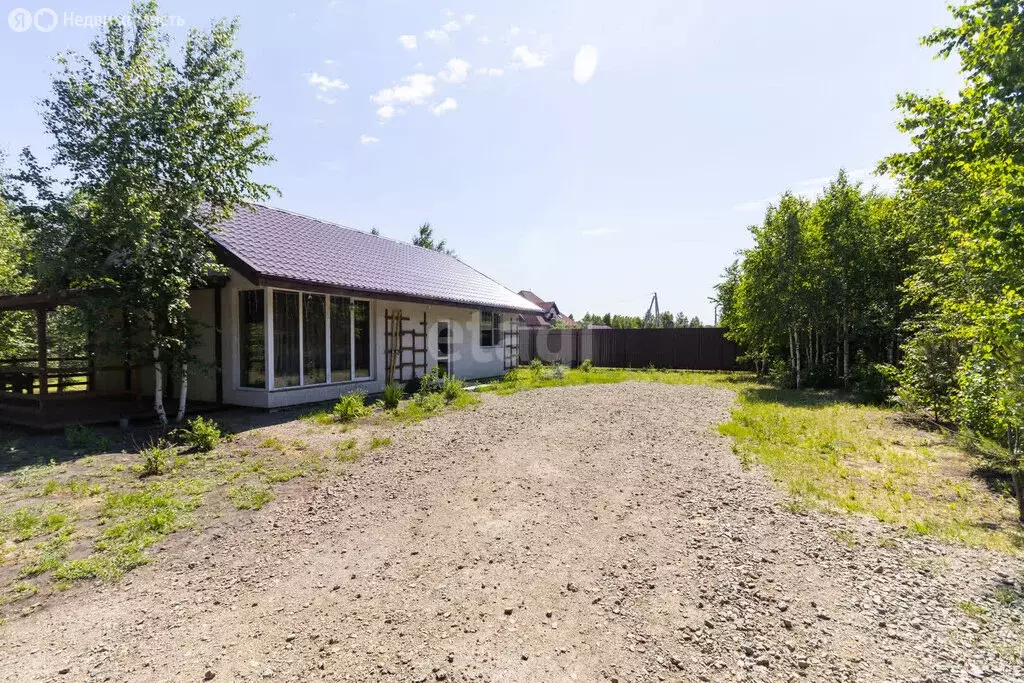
x=329, y=62
x=485, y=71
x=452, y=27
x=455, y=71
x=467, y=19
x=325, y=99
x=597, y=232
x=522, y=56
x=483, y=40
x=325, y=83
x=368, y=139
x=408, y=41
x=514, y=30
x=436, y=35
x=585, y=64
x=386, y=112
x=448, y=105
x=414, y=89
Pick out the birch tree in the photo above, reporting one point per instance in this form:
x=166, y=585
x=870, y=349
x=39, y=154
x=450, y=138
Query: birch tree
x=155, y=151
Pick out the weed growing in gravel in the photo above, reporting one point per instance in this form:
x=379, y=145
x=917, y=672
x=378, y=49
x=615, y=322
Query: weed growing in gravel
x=274, y=443
x=1005, y=596
x=346, y=451
x=452, y=388
x=156, y=458
x=379, y=442
x=351, y=406
x=392, y=396
x=201, y=434
x=49, y=554
x=972, y=610
x=248, y=497
x=33, y=521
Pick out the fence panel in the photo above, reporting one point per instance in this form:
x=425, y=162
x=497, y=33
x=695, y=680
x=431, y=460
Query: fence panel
x=703, y=348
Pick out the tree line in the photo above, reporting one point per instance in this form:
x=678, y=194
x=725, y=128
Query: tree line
x=918, y=296
x=632, y=322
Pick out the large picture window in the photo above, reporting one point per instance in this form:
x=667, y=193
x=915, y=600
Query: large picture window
x=252, y=339
x=286, y=339
x=317, y=339
x=314, y=339
x=490, y=328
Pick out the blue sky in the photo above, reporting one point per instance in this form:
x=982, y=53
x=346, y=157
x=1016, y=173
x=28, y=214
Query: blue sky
x=593, y=181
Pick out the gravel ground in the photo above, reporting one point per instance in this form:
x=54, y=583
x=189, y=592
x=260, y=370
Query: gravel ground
x=596, y=533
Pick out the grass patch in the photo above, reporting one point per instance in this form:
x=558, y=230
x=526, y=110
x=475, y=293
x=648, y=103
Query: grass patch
x=346, y=451
x=831, y=453
x=33, y=521
x=249, y=497
x=379, y=442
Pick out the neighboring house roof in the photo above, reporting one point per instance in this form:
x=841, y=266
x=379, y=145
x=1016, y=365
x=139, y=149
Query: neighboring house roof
x=551, y=312
x=277, y=247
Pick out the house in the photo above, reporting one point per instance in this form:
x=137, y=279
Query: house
x=549, y=315
x=310, y=310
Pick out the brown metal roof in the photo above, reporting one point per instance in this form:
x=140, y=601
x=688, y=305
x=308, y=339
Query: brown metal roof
x=276, y=245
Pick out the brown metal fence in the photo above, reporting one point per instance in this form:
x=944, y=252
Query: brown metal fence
x=684, y=348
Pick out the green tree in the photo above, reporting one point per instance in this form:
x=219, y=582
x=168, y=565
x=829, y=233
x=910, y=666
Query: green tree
x=153, y=153
x=425, y=238
x=15, y=326
x=963, y=183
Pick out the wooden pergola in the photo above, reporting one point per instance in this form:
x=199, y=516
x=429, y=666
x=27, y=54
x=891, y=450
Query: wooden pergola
x=44, y=392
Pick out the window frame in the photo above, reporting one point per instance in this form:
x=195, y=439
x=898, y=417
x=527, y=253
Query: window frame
x=267, y=361
x=495, y=329
x=269, y=332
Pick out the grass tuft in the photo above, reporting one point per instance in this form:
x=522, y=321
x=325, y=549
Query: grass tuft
x=249, y=497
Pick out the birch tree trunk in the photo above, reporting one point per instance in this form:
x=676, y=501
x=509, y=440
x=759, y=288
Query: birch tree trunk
x=183, y=393
x=158, y=388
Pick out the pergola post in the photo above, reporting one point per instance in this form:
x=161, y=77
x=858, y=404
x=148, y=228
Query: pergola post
x=41, y=346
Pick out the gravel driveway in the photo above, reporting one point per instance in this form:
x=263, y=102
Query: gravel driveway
x=594, y=533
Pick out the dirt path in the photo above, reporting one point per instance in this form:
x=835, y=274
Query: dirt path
x=577, y=534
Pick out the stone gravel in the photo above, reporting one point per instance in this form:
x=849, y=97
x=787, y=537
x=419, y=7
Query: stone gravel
x=593, y=533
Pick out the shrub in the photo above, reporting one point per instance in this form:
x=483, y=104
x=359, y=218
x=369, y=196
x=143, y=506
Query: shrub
x=433, y=381
x=587, y=365
x=155, y=458
x=201, y=434
x=413, y=386
x=511, y=377
x=536, y=367
x=452, y=388
x=870, y=383
x=558, y=370
x=351, y=406
x=392, y=395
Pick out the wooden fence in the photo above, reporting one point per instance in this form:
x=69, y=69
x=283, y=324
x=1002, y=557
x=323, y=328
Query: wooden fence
x=684, y=348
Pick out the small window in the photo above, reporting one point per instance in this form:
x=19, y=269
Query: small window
x=252, y=341
x=490, y=328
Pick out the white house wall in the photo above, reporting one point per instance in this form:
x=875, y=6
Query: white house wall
x=469, y=359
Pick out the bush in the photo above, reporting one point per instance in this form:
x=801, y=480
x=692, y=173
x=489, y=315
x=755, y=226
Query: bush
x=511, y=377
x=536, y=367
x=201, y=434
x=451, y=388
x=155, y=458
x=558, y=370
x=351, y=406
x=413, y=386
x=392, y=395
x=587, y=365
x=870, y=382
x=433, y=381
